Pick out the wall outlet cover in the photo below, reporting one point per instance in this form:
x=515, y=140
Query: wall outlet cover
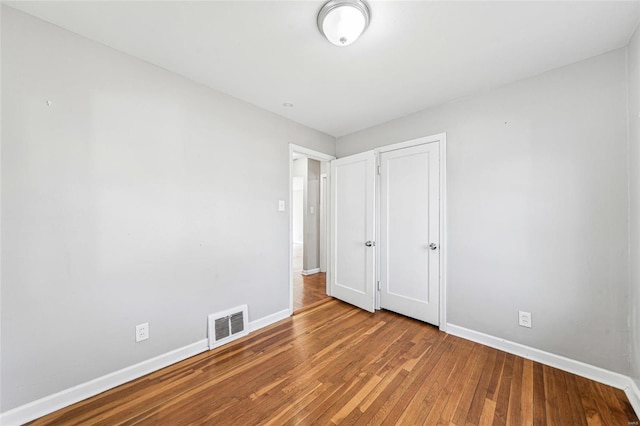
x=142, y=332
x=524, y=319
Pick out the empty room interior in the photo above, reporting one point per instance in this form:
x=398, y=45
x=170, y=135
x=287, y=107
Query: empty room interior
x=312, y=212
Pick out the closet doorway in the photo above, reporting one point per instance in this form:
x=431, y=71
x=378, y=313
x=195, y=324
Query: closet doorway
x=388, y=228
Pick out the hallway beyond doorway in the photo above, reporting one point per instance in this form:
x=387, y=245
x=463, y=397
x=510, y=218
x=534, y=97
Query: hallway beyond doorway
x=307, y=289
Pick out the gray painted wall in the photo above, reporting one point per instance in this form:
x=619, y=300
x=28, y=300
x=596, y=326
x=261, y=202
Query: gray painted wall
x=537, y=207
x=136, y=196
x=633, y=73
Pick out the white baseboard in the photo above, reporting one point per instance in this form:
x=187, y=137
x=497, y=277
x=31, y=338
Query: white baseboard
x=592, y=372
x=268, y=320
x=310, y=271
x=633, y=393
x=51, y=403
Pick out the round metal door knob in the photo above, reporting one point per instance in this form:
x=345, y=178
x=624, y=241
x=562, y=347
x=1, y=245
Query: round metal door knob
x=433, y=246
x=368, y=243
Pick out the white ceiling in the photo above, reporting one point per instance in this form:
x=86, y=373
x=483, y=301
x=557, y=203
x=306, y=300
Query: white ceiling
x=414, y=54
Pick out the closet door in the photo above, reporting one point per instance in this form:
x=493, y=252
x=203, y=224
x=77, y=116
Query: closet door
x=352, y=229
x=409, y=232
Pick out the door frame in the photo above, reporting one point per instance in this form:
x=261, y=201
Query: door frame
x=323, y=158
x=442, y=139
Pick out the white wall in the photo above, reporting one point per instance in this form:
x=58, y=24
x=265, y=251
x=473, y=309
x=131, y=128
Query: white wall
x=299, y=173
x=633, y=73
x=312, y=217
x=537, y=207
x=297, y=207
x=308, y=170
x=136, y=196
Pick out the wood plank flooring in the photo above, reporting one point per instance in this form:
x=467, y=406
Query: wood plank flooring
x=308, y=290
x=335, y=364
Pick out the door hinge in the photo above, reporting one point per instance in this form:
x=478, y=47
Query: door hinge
x=378, y=169
x=378, y=285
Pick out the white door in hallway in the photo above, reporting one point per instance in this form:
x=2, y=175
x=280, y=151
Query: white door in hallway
x=409, y=241
x=352, y=229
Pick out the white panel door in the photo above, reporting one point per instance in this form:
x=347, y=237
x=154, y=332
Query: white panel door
x=409, y=232
x=352, y=229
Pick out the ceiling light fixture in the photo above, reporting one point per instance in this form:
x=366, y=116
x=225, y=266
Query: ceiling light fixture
x=342, y=21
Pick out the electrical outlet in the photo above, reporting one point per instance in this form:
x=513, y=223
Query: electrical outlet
x=524, y=319
x=142, y=332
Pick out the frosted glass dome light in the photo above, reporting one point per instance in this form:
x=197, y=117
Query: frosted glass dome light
x=343, y=21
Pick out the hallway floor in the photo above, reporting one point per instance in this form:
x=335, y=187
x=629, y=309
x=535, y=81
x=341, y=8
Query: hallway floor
x=307, y=289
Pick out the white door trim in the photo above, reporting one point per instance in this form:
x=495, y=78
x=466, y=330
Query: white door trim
x=315, y=155
x=442, y=138
x=322, y=157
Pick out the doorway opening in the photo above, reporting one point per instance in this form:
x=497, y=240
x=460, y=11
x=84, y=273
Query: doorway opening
x=309, y=177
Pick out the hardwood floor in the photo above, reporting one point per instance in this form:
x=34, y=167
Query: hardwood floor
x=336, y=364
x=308, y=290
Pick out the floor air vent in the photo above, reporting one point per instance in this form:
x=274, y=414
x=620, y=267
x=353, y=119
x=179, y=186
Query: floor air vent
x=227, y=326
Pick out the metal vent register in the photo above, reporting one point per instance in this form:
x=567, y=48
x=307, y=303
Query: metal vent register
x=227, y=326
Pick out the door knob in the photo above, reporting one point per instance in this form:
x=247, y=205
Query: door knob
x=369, y=244
x=433, y=246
